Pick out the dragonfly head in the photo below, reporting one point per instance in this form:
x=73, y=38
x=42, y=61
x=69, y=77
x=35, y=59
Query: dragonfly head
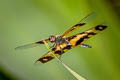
x=52, y=38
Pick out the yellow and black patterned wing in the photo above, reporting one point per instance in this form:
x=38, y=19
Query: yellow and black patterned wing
x=49, y=56
x=31, y=45
x=78, y=39
x=75, y=40
x=81, y=23
x=58, y=50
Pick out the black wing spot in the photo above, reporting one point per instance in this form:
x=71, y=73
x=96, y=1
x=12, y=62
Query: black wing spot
x=81, y=24
x=67, y=47
x=45, y=59
x=53, y=49
x=40, y=42
x=59, y=52
x=100, y=27
x=92, y=33
x=73, y=36
x=72, y=29
x=82, y=33
x=81, y=40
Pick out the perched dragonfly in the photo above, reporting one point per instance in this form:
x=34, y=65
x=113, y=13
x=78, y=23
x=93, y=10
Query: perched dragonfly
x=63, y=43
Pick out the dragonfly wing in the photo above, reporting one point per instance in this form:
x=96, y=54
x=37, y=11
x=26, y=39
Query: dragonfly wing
x=26, y=46
x=49, y=56
x=88, y=18
x=31, y=45
x=85, y=20
x=46, y=57
x=79, y=39
x=57, y=52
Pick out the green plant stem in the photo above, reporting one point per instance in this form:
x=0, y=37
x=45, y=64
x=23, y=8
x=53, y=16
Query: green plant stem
x=76, y=75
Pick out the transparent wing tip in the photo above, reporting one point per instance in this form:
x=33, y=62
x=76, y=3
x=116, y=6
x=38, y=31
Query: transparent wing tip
x=37, y=63
x=18, y=48
x=106, y=23
x=26, y=46
x=89, y=17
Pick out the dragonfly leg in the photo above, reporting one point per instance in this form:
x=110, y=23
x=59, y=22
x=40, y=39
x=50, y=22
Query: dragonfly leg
x=86, y=46
x=60, y=57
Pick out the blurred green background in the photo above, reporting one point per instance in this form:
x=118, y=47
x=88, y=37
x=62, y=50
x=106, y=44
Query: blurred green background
x=27, y=21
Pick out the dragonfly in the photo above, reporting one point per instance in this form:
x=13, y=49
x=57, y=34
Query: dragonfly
x=63, y=43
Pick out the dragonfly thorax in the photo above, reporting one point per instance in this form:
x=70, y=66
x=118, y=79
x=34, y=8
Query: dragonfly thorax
x=57, y=39
x=60, y=40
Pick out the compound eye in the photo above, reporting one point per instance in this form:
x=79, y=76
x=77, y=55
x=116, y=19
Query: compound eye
x=52, y=38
